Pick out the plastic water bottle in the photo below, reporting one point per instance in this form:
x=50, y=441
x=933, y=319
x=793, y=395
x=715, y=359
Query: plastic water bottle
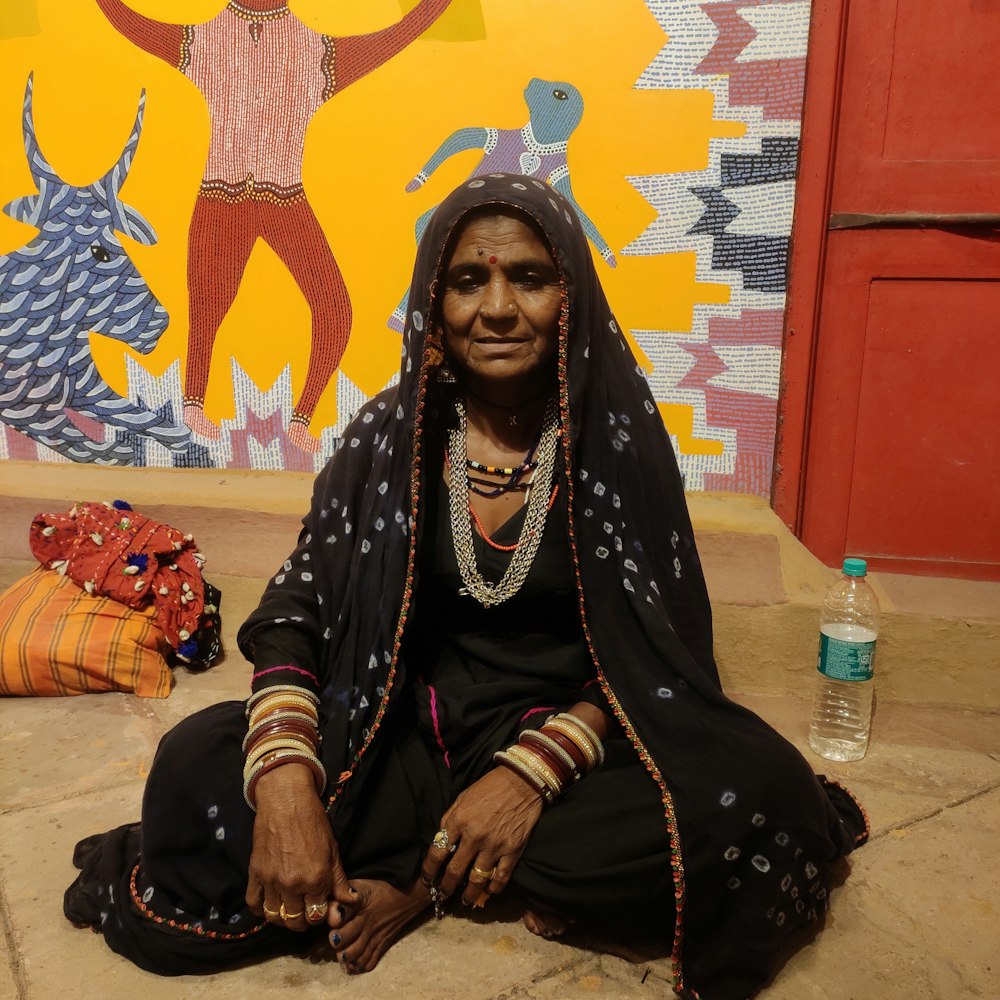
x=842, y=708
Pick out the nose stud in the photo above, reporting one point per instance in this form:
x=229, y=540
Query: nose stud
x=484, y=309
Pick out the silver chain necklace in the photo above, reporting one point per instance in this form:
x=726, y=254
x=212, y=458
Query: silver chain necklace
x=530, y=538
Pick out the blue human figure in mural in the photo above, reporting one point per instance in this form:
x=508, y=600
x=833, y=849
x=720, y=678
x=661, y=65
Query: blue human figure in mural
x=537, y=149
x=73, y=279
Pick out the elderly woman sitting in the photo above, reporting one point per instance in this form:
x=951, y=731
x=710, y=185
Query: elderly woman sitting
x=487, y=664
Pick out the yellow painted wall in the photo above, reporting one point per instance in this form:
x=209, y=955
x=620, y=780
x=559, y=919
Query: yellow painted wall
x=362, y=148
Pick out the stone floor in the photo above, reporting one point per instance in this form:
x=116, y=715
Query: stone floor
x=913, y=919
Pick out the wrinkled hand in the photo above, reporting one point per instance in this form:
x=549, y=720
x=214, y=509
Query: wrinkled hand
x=295, y=861
x=490, y=822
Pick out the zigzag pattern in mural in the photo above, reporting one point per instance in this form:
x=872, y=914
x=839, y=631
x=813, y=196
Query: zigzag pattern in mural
x=735, y=215
x=253, y=439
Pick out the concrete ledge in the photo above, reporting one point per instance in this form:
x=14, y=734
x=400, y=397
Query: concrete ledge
x=940, y=639
x=235, y=489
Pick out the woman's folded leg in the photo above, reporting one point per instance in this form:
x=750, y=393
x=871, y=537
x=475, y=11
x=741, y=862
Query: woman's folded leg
x=600, y=855
x=168, y=894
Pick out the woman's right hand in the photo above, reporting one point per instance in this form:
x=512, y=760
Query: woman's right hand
x=295, y=862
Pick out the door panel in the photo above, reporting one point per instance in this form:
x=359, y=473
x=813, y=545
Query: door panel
x=918, y=109
x=904, y=452
x=924, y=102
x=891, y=399
x=926, y=471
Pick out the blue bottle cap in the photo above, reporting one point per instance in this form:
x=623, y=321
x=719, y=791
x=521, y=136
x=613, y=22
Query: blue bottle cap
x=855, y=567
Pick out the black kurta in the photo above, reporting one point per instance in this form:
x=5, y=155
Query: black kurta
x=482, y=674
x=599, y=856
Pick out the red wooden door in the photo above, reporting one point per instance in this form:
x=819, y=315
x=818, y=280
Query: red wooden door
x=890, y=444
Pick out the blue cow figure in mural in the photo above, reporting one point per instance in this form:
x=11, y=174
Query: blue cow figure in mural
x=72, y=279
x=537, y=149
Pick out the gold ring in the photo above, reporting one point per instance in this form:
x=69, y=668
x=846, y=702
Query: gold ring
x=285, y=915
x=271, y=913
x=316, y=911
x=485, y=876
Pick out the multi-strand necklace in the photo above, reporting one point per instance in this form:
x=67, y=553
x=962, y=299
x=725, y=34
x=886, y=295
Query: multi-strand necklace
x=540, y=462
x=498, y=479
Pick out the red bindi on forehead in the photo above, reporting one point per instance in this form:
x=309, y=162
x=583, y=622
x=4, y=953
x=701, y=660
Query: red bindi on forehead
x=493, y=258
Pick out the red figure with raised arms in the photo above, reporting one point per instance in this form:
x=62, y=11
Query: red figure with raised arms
x=263, y=73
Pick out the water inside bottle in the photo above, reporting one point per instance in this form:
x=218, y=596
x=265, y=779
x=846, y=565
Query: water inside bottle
x=842, y=709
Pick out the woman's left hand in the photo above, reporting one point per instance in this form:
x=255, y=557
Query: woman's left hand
x=490, y=822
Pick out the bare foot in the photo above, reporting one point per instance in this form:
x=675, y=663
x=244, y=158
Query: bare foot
x=298, y=435
x=545, y=923
x=194, y=417
x=361, y=934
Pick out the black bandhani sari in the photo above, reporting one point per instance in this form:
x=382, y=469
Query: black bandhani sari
x=749, y=831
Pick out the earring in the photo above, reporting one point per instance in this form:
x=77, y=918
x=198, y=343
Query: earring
x=445, y=374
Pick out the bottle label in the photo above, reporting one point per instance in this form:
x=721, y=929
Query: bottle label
x=846, y=661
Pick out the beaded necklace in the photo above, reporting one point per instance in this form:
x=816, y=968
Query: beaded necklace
x=480, y=527
x=538, y=506
x=256, y=19
x=498, y=470
x=514, y=476
x=249, y=14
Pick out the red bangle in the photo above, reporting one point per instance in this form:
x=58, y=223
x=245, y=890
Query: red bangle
x=281, y=726
x=535, y=737
x=549, y=759
x=582, y=764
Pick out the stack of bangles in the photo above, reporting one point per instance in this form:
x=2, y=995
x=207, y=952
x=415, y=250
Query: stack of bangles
x=550, y=759
x=284, y=729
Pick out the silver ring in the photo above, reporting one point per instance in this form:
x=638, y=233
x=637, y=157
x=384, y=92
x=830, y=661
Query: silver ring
x=441, y=840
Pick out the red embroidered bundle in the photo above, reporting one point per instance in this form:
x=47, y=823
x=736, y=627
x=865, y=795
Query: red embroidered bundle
x=116, y=552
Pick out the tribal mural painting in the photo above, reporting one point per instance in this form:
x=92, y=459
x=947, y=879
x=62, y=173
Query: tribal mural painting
x=72, y=279
x=736, y=215
x=286, y=219
x=536, y=149
x=263, y=73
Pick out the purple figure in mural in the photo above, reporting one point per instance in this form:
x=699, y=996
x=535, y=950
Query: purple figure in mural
x=72, y=279
x=263, y=74
x=537, y=149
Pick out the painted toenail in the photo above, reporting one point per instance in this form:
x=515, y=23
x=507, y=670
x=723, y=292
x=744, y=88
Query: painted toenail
x=342, y=912
x=335, y=938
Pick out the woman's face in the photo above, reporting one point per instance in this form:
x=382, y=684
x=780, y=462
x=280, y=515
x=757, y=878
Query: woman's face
x=500, y=306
